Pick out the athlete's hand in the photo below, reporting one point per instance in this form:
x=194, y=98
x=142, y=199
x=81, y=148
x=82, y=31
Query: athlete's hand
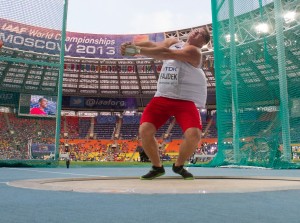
x=129, y=49
x=123, y=47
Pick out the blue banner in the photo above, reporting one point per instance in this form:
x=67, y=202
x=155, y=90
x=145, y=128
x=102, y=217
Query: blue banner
x=103, y=46
x=100, y=103
x=42, y=148
x=30, y=38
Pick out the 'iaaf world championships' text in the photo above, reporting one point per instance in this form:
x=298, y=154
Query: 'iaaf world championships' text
x=17, y=28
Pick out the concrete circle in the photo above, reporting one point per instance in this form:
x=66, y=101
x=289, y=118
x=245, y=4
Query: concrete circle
x=163, y=185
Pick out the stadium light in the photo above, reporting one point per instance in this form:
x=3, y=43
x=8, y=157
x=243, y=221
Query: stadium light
x=289, y=16
x=227, y=38
x=262, y=28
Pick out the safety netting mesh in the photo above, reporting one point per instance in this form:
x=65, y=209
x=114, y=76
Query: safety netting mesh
x=257, y=72
x=30, y=65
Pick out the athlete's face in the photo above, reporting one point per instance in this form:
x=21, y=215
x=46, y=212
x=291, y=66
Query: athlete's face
x=196, y=37
x=44, y=103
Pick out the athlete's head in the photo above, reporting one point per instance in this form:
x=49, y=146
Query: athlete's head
x=43, y=102
x=199, y=37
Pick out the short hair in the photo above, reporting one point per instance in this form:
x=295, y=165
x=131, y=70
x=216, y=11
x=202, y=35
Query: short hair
x=206, y=35
x=40, y=99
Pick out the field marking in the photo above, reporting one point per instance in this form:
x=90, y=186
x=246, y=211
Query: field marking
x=42, y=171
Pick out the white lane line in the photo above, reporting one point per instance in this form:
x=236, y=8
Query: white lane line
x=42, y=171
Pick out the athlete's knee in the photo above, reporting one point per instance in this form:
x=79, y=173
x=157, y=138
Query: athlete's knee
x=147, y=130
x=193, y=134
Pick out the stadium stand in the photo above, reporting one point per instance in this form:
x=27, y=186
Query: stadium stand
x=88, y=78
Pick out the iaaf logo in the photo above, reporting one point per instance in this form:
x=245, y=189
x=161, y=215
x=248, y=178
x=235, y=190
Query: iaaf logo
x=92, y=102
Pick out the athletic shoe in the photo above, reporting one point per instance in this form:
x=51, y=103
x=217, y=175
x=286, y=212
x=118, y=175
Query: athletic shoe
x=153, y=173
x=183, y=172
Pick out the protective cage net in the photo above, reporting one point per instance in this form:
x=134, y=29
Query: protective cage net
x=30, y=63
x=256, y=50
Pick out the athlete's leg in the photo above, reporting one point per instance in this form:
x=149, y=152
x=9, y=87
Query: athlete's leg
x=192, y=137
x=147, y=133
x=189, y=119
x=154, y=116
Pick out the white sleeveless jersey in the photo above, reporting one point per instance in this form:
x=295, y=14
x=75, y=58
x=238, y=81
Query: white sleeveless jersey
x=181, y=80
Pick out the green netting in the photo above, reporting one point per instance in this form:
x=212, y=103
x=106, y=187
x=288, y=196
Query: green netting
x=31, y=68
x=257, y=71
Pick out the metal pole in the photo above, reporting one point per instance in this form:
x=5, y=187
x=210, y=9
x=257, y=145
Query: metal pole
x=218, y=76
x=60, y=80
x=234, y=83
x=284, y=104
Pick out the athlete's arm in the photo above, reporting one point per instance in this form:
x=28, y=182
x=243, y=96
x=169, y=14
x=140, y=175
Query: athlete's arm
x=148, y=44
x=161, y=51
x=189, y=54
x=166, y=43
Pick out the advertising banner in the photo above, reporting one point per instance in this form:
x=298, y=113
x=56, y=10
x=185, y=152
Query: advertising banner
x=102, y=46
x=99, y=103
x=42, y=40
x=42, y=148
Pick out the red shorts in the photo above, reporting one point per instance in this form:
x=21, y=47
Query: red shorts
x=160, y=109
